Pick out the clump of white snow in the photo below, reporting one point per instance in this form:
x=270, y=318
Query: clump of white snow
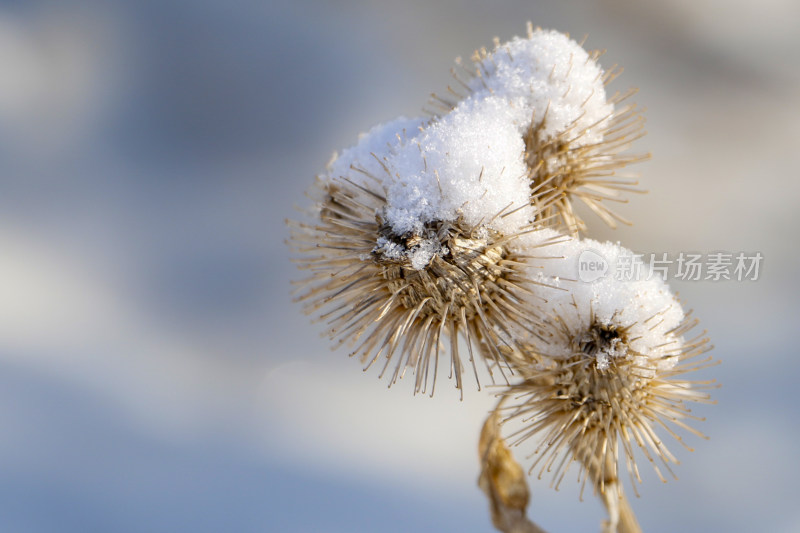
x=364, y=158
x=554, y=77
x=469, y=164
x=622, y=299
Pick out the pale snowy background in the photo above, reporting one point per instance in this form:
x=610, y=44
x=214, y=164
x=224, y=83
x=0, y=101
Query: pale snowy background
x=155, y=375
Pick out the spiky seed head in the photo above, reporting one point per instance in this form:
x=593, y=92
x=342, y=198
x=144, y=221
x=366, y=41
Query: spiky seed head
x=397, y=298
x=600, y=392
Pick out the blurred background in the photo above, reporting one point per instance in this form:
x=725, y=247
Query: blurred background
x=155, y=374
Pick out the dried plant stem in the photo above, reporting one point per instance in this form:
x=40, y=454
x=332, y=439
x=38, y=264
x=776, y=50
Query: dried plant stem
x=627, y=520
x=620, y=514
x=502, y=479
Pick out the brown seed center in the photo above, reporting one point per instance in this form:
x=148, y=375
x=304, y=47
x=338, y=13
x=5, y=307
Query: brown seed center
x=461, y=271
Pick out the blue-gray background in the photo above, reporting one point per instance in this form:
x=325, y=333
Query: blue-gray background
x=154, y=373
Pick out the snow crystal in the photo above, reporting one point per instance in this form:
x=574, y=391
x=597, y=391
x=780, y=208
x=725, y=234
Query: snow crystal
x=422, y=254
x=602, y=360
x=389, y=249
